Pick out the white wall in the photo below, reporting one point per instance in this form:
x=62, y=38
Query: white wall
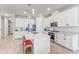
x=21, y=22
x=5, y=27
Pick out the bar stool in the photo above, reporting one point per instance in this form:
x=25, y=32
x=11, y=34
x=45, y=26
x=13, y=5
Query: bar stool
x=27, y=46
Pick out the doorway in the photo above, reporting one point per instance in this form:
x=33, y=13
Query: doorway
x=2, y=27
x=10, y=27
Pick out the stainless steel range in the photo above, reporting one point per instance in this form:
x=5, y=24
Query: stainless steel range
x=51, y=30
x=52, y=36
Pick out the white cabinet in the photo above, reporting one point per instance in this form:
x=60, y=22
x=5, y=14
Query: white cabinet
x=71, y=41
x=41, y=43
x=54, y=16
x=61, y=19
x=72, y=16
x=67, y=40
x=68, y=17
x=59, y=38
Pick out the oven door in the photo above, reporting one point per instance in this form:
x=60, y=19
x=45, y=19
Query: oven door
x=52, y=36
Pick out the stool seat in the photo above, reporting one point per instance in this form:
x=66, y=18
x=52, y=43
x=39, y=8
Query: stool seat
x=27, y=42
x=27, y=46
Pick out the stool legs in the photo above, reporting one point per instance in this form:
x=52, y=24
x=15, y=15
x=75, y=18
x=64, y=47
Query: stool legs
x=27, y=50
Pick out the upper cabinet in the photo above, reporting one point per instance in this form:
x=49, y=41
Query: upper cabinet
x=68, y=17
x=61, y=19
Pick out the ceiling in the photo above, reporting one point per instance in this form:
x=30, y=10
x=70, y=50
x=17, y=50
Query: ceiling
x=18, y=9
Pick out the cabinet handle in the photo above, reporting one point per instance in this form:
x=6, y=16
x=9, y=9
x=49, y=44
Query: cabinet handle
x=64, y=38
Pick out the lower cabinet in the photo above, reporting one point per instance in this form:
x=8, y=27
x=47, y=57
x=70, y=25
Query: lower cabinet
x=59, y=38
x=41, y=44
x=67, y=40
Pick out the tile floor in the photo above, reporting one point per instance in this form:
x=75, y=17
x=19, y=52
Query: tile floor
x=9, y=45
x=57, y=49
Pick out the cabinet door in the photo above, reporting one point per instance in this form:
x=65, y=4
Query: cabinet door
x=68, y=17
x=68, y=41
x=72, y=18
x=59, y=20
x=42, y=44
x=60, y=39
x=75, y=41
x=72, y=42
x=62, y=19
x=36, y=46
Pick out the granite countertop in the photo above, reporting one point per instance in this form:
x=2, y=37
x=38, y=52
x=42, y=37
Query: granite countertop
x=68, y=32
x=36, y=35
x=65, y=29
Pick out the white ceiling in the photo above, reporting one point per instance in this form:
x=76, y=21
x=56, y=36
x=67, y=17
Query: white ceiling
x=18, y=9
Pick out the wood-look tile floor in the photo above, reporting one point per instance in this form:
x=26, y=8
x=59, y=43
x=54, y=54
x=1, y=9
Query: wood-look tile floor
x=9, y=45
x=57, y=49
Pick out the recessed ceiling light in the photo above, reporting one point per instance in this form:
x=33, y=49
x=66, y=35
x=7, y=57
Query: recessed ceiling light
x=48, y=9
x=33, y=11
x=25, y=12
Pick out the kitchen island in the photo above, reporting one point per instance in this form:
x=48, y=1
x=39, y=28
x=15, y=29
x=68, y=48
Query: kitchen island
x=41, y=42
